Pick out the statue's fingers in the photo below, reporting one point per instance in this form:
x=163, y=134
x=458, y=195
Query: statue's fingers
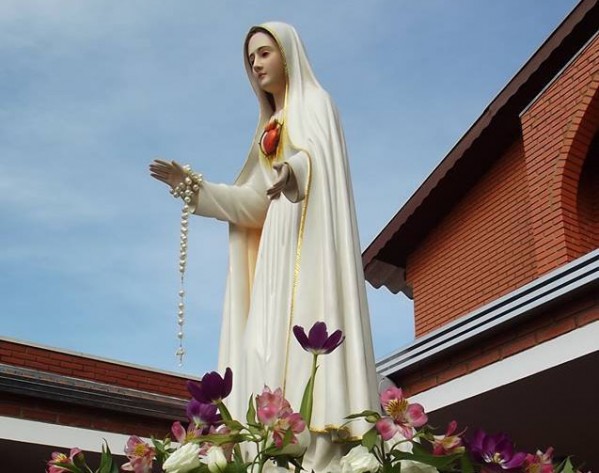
x=160, y=172
x=159, y=177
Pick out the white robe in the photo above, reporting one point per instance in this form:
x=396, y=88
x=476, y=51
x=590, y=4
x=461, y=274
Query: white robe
x=295, y=260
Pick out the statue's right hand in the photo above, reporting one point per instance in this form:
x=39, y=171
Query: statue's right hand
x=170, y=173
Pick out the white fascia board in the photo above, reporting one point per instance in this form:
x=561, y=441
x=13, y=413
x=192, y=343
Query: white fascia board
x=567, y=347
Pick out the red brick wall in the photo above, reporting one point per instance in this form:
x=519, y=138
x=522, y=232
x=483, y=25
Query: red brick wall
x=557, y=131
x=523, y=218
x=17, y=354
x=64, y=413
x=553, y=323
x=53, y=412
x=481, y=250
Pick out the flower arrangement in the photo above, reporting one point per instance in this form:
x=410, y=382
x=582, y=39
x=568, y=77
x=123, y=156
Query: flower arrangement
x=274, y=437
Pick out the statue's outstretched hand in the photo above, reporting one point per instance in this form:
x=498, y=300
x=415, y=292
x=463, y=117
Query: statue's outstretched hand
x=284, y=175
x=170, y=173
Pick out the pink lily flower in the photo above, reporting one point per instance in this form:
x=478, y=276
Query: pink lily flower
x=140, y=455
x=448, y=444
x=403, y=416
x=59, y=457
x=540, y=462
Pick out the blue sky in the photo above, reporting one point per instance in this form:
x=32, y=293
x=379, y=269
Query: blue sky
x=91, y=92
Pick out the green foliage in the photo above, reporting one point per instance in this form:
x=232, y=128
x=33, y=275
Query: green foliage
x=566, y=466
x=162, y=449
x=370, y=416
x=390, y=468
x=107, y=464
x=370, y=438
x=251, y=412
x=440, y=462
x=308, y=397
x=466, y=464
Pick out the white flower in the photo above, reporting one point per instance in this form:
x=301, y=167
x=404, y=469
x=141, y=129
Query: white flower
x=359, y=460
x=215, y=459
x=184, y=459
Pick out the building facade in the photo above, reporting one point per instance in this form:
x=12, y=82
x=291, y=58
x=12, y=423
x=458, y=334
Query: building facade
x=499, y=250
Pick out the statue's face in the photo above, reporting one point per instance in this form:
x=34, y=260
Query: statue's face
x=267, y=63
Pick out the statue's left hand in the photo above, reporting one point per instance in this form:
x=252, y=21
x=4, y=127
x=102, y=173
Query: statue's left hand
x=283, y=175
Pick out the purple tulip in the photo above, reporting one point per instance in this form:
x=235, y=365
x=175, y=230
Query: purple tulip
x=203, y=415
x=212, y=388
x=495, y=451
x=318, y=341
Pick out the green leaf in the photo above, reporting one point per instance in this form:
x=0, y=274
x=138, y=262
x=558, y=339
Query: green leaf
x=440, y=462
x=396, y=468
x=107, y=464
x=369, y=438
x=366, y=413
x=567, y=467
x=308, y=397
x=224, y=412
x=418, y=449
x=161, y=448
x=237, y=467
x=388, y=467
x=251, y=412
x=233, y=425
x=466, y=464
x=219, y=439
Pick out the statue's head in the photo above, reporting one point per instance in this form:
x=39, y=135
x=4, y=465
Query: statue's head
x=266, y=61
x=277, y=66
x=268, y=67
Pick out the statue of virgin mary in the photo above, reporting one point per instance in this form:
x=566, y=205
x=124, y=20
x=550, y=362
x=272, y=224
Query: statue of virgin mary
x=294, y=255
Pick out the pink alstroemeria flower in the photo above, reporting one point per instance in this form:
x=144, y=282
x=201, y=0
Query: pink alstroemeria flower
x=293, y=422
x=140, y=455
x=540, y=462
x=185, y=436
x=58, y=457
x=270, y=406
x=448, y=444
x=274, y=411
x=403, y=416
